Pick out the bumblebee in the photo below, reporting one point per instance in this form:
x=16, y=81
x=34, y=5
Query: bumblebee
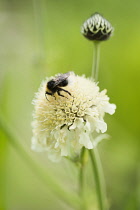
x=55, y=85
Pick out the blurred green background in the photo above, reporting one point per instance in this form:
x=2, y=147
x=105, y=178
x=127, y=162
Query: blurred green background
x=42, y=38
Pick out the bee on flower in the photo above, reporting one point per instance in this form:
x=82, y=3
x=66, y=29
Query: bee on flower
x=68, y=110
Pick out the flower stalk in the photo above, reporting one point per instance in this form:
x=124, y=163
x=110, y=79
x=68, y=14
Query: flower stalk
x=96, y=58
x=83, y=160
x=98, y=177
x=81, y=174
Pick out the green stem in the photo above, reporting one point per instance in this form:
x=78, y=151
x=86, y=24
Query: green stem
x=44, y=177
x=81, y=178
x=96, y=58
x=81, y=174
x=94, y=156
x=81, y=181
x=98, y=176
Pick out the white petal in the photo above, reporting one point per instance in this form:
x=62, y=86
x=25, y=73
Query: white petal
x=85, y=141
x=56, y=144
x=77, y=123
x=101, y=125
x=36, y=146
x=64, y=151
x=99, y=138
x=87, y=126
x=73, y=126
x=110, y=108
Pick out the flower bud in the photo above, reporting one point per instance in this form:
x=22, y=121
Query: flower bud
x=97, y=28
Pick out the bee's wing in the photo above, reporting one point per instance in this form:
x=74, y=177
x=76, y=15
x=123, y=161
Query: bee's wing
x=61, y=78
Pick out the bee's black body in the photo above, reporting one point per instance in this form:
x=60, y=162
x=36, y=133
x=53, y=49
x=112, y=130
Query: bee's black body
x=55, y=85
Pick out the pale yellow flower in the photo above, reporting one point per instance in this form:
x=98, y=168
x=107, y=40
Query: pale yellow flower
x=63, y=125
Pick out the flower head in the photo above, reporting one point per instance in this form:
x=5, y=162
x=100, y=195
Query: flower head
x=63, y=125
x=97, y=28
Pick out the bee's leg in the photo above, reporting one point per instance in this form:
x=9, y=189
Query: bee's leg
x=61, y=89
x=58, y=92
x=47, y=93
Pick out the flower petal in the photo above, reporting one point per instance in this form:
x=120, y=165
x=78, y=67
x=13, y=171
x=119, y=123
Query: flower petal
x=85, y=141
